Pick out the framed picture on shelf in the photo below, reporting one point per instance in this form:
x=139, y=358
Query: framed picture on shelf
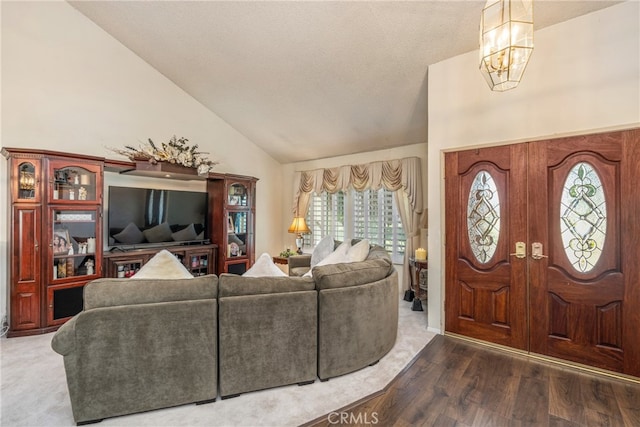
x=230, y=227
x=61, y=242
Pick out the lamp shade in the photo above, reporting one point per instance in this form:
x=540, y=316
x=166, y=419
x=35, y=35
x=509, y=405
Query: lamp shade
x=299, y=226
x=506, y=42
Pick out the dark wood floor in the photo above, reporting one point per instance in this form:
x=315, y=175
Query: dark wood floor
x=456, y=383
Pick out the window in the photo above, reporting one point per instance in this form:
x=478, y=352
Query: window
x=325, y=217
x=370, y=214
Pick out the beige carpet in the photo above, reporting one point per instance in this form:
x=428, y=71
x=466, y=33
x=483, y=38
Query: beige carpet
x=34, y=391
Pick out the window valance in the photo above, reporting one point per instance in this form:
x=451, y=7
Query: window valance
x=401, y=174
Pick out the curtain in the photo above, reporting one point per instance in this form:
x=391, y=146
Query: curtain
x=403, y=176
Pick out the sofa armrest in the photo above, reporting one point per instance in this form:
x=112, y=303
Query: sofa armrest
x=299, y=264
x=64, y=340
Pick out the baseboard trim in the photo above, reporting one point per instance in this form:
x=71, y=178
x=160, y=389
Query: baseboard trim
x=434, y=330
x=547, y=359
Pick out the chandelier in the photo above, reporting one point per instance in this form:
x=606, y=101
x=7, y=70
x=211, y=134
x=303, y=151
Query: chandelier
x=506, y=42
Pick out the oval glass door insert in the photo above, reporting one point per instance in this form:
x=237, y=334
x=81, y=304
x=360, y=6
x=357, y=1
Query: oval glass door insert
x=583, y=217
x=483, y=217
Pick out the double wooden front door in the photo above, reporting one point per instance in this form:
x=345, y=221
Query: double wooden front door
x=543, y=247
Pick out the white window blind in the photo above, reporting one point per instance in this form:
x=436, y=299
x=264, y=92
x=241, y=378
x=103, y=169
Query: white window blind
x=370, y=214
x=325, y=217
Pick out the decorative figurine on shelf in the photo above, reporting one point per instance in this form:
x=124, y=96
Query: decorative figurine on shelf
x=62, y=270
x=91, y=245
x=82, y=193
x=89, y=266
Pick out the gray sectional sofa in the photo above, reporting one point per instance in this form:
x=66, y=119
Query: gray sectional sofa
x=140, y=344
x=144, y=344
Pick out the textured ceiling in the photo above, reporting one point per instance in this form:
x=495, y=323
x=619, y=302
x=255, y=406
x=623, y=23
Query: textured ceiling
x=306, y=80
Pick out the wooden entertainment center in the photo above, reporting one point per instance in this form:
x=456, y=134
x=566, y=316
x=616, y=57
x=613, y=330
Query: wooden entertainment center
x=56, y=239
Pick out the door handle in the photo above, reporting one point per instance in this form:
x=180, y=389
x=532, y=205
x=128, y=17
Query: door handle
x=521, y=250
x=536, y=251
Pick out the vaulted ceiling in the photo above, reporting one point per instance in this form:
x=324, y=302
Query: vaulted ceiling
x=308, y=79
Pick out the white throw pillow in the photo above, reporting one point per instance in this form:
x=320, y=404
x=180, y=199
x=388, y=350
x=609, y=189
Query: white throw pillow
x=335, y=257
x=359, y=251
x=163, y=265
x=264, y=267
x=322, y=250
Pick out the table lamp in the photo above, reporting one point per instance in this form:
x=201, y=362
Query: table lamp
x=299, y=226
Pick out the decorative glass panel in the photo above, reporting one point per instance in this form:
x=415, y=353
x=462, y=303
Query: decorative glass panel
x=237, y=195
x=583, y=217
x=74, y=183
x=483, y=216
x=27, y=181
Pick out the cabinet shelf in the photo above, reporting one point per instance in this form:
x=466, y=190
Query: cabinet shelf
x=60, y=256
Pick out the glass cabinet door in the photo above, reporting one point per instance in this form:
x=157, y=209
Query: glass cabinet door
x=27, y=182
x=74, y=183
x=73, y=243
x=198, y=263
x=237, y=195
x=237, y=234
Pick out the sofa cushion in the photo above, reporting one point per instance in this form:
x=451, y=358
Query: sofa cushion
x=187, y=233
x=358, y=252
x=264, y=267
x=131, y=235
x=159, y=233
x=233, y=285
x=351, y=274
x=377, y=252
x=163, y=265
x=112, y=292
x=338, y=255
x=322, y=250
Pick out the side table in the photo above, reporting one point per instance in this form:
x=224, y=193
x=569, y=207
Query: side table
x=280, y=260
x=418, y=266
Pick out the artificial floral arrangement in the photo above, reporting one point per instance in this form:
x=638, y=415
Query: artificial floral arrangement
x=175, y=151
x=287, y=253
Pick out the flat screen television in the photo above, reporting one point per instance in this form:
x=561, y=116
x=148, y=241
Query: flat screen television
x=139, y=217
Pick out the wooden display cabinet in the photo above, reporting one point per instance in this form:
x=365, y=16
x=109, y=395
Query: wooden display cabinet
x=55, y=240
x=198, y=259
x=53, y=196
x=232, y=220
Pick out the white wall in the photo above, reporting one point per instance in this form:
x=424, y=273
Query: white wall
x=584, y=76
x=69, y=86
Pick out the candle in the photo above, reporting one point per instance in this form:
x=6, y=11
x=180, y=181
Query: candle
x=421, y=254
